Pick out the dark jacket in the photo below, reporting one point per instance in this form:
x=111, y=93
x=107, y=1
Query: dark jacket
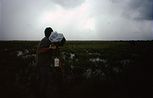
x=44, y=59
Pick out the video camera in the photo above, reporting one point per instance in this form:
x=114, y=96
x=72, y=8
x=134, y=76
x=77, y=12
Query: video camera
x=57, y=38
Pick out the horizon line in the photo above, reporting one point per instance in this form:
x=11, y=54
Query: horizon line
x=82, y=40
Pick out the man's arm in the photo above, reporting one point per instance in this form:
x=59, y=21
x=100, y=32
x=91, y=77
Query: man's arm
x=43, y=50
x=46, y=50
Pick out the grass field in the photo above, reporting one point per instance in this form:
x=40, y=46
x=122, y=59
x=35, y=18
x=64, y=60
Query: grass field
x=112, y=69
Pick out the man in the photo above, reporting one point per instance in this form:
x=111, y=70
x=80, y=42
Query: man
x=46, y=71
x=44, y=51
x=50, y=77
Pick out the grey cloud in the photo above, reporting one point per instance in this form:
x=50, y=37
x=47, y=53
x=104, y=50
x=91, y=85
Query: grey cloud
x=18, y=16
x=68, y=3
x=114, y=19
x=144, y=8
x=138, y=9
x=126, y=19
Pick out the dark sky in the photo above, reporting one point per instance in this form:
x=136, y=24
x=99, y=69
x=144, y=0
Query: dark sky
x=77, y=19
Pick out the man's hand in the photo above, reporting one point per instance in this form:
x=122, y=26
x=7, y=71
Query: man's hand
x=52, y=47
x=46, y=50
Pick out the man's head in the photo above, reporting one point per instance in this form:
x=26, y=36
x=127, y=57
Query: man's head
x=48, y=31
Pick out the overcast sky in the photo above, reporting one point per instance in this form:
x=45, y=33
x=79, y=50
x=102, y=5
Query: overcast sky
x=77, y=19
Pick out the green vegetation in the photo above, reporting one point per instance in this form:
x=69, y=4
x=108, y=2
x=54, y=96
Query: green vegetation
x=88, y=64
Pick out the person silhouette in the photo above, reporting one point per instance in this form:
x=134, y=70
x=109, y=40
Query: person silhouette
x=50, y=78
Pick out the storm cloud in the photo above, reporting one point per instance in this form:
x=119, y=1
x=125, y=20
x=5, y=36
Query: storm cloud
x=77, y=19
x=142, y=9
x=136, y=9
x=68, y=3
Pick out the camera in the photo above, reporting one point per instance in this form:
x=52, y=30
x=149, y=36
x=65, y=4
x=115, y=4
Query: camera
x=57, y=38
